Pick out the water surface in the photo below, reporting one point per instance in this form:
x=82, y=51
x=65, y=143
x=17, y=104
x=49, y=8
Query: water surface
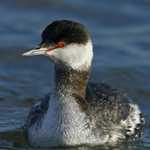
x=121, y=36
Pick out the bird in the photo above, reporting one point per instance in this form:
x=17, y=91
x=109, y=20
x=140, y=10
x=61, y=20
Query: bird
x=78, y=111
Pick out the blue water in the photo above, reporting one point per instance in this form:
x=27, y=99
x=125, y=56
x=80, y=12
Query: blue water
x=121, y=36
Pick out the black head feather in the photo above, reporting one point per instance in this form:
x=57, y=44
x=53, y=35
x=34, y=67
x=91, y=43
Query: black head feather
x=67, y=31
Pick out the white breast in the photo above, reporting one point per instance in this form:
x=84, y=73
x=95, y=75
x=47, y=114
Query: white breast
x=64, y=124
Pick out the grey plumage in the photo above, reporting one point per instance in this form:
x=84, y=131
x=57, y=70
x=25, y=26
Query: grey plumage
x=37, y=112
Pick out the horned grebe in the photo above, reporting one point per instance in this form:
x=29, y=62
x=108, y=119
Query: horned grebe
x=78, y=112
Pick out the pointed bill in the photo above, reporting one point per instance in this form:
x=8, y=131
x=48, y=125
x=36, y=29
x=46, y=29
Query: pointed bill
x=36, y=51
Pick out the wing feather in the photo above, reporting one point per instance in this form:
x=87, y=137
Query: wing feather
x=37, y=111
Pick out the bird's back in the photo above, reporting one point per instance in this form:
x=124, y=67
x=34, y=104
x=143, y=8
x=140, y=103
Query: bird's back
x=113, y=111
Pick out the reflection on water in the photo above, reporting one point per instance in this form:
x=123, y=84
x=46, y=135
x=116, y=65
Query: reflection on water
x=120, y=31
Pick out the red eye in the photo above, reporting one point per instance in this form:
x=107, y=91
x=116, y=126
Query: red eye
x=61, y=44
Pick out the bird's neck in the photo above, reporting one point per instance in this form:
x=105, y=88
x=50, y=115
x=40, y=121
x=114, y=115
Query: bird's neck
x=69, y=81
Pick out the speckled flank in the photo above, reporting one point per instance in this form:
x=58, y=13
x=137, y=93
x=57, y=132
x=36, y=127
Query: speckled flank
x=134, y=122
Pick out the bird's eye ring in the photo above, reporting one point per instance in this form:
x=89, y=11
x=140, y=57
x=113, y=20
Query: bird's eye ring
x=60, y=44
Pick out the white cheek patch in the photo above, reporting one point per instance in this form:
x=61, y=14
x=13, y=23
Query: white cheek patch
x=77, y=56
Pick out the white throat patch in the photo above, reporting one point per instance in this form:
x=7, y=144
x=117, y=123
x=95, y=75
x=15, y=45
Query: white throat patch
x=76, y=56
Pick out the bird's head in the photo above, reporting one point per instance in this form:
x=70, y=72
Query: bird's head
x=67, y=43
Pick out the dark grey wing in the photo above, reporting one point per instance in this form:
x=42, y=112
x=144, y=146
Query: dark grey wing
x=37, y=111
x=109, y=106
